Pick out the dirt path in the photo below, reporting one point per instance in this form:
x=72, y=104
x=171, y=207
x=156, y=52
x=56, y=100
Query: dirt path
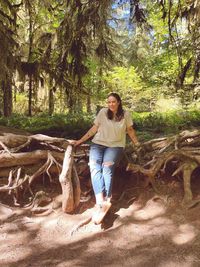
x=141, y=230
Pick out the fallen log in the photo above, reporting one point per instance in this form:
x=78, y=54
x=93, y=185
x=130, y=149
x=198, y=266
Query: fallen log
x=27, y=158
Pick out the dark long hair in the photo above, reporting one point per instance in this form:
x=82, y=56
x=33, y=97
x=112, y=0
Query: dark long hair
x=120, y=111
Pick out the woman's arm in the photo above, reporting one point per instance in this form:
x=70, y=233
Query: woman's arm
x=92, y=131
x=132, y=135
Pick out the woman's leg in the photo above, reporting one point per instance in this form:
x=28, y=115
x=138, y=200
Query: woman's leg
x=111, y=157
x=95, y=162
x=108, y=158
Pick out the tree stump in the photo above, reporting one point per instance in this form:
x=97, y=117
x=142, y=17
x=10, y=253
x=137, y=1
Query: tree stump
x=65, y=179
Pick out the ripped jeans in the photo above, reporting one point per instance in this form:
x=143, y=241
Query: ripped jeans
x=102, y=163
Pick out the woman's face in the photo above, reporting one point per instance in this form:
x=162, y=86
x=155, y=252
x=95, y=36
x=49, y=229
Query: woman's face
x=113, y=104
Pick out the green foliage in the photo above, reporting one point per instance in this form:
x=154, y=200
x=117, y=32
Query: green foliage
x=69, y=126
x=81, y=50
x=163, y=69
x=148, y=125
x=127, y=82
x=167, y=122
x=21, y=103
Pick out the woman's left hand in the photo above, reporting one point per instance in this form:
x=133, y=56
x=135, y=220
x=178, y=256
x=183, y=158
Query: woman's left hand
x=75, y=142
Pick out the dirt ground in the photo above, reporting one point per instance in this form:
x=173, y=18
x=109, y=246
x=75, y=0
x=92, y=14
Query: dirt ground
x=142, y=229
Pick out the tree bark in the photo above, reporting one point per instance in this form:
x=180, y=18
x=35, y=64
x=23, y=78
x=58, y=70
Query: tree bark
x=30, y=96
x=187, y=172
x=76, y=187
x=7, y=97
x=65, y=179
x=27, y=158
x=24, y=158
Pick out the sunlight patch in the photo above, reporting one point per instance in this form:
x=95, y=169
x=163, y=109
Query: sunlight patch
x=50, y=222
x=151, y=210
x=186, y=233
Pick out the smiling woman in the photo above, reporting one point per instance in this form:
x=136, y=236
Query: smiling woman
x=109, y=130
x=115, y=110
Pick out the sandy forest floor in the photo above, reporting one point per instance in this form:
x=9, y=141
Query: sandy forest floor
x=141, y=229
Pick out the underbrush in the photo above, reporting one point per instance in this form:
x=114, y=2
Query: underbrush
x=61, y=125
x=147, y=125
x=167, y=122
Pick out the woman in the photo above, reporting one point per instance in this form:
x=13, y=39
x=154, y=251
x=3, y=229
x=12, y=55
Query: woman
x=109, y=131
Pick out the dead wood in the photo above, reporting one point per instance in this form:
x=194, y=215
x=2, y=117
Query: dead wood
x=65, y=179
x=181, y=151
x=188, y=168
x=81, y=224
x=76, y=186
x=25, y=158
x=31, y=169
x=15, y=143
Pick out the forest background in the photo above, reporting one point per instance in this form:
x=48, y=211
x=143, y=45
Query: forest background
x=60, y=59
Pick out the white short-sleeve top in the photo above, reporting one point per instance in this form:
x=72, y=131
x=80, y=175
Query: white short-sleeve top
x=111, y=133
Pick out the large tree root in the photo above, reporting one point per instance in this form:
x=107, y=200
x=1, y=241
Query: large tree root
x=24, y=160
x=81, y=224
x=181, y=151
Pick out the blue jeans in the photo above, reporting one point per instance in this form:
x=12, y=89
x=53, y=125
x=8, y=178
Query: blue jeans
x=102, y=163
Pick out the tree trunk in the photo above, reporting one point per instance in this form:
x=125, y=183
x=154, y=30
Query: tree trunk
x=30, y=96
x=7, y=97
x=89, y=110
x=196, y=69
x=51, y=96
x=30, y=56
x=182, y=74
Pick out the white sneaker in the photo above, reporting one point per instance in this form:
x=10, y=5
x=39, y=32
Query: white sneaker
x=101, y=210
